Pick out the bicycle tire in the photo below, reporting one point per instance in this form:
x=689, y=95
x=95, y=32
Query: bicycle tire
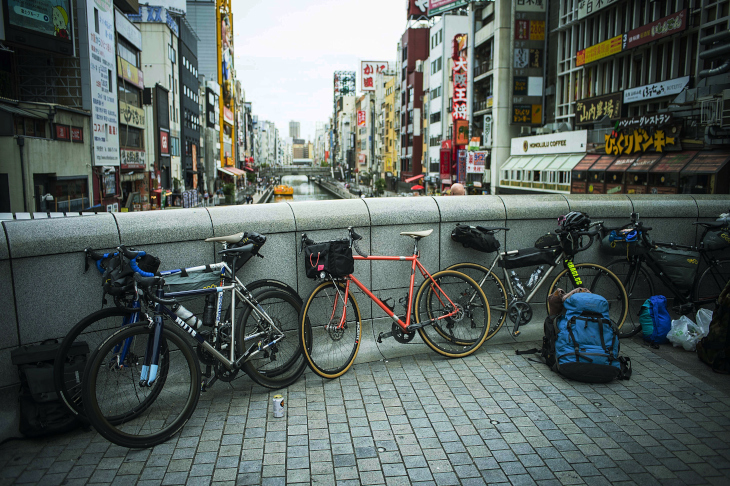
x=320, y=310
x=712, y=281
x=603, y=282
x=181, y=388
x=638, y=289
x=92, y=330
x=493, y=289
x=284, y=364
x=463, y=291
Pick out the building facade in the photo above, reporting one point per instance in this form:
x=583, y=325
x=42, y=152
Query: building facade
x=414, y=53
x=189, y=107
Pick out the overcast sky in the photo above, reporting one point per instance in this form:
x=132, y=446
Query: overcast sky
x=286, y=52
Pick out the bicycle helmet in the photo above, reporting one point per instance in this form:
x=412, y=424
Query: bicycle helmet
x=575, y=220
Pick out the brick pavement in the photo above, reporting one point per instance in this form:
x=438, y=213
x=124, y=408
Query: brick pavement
x=491, y=418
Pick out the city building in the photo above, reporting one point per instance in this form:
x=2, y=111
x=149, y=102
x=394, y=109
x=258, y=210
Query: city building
x=414, y=53
x=345, y=136
x=390, y=157
x=294, y=129
x=134, y=177
x=189, y=106
x=210, y=131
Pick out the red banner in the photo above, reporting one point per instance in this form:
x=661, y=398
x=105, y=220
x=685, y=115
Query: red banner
x=663, y=27
x=459, y=108
x=164, y=142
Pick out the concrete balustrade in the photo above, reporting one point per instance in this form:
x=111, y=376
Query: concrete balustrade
x=44, y=290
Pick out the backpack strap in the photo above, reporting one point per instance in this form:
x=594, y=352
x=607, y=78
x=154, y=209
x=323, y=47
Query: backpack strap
x=625, y=370
x=570, y=325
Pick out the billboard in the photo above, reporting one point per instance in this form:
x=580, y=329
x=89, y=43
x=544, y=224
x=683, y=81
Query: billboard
x=437, y=7
x=417, y=9
x=361, y=118
x=656, y=90
x=592, y=110
x=554, y=143
x=42, y=24
x=368, y=72
x=663, y=27
x=599, y=51
x=103, y=74
x=588, y=7
x=460, y=74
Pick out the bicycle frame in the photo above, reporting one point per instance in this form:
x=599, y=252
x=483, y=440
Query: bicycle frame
x=415, y=263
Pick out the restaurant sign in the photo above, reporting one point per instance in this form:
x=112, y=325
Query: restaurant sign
x=643, y=121
x=593, y=109
x=599, y=51
x=663, y=27
x=656, y=90
x=639, y=140
x=554, y=143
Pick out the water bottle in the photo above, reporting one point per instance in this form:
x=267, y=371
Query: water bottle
x=189, y=318
x=519, y=289
x=209, y=312
x=535, y=277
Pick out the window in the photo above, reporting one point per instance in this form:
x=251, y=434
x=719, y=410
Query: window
x=127, y=52
x=111, y=80
x=129, y=95
x=30, y=127
x=130, y=137
x=96, y=20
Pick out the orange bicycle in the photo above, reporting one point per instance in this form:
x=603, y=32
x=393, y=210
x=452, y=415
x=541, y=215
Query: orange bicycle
x=450, y=312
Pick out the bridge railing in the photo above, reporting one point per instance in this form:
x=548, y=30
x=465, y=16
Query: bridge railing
x=44, y=290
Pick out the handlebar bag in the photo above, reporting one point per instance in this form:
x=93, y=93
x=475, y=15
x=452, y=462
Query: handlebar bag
x=332, y=257
x=680, y=266
x=529, y=257
x=549, y=240
x=475, y=237
x=615, y=244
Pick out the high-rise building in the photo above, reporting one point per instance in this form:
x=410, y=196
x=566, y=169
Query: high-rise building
x=414, y=52
x=294, y=129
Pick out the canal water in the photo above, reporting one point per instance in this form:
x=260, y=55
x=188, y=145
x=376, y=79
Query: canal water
x=303, y=190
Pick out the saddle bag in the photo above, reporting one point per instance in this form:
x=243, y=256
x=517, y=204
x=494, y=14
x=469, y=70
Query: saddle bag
x=475, y=237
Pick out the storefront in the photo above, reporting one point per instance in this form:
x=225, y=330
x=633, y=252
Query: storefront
x=579, y=175
x=637, y=176
x=706, y=173
x=616, y=174
x=543, y=163
x=597, y=175
x=664, y=175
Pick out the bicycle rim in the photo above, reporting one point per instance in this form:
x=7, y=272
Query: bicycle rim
x=463, y=333
x=712, y=281
x=599, y=280
x=282, y=363
x=111, y=390
x=639, y=287
x=493, y=290
x=68, y=368
x=329, y=349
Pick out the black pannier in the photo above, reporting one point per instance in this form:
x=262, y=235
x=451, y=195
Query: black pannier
x=680, y=266
x=475, y=237
x=332, y=257
x=529, y=257
x=717, y=239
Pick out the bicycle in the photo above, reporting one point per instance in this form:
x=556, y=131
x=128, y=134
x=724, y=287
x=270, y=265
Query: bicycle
x=633, y=241
x=279, y=301
x=450, y=312
x=513, y=300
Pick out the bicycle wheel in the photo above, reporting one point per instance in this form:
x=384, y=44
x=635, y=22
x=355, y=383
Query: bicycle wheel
x=281, y=364
x=712, y=281
x=463, y=333
x=330, y=349
x=601, y=281
x=493, y=289
x=112, y=389
x=68, y=367
x=639, y=286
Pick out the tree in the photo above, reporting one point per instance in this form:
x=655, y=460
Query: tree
x=380, y=186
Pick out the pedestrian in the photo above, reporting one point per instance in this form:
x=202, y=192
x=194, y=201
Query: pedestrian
x=458, y=190
x=205, y=197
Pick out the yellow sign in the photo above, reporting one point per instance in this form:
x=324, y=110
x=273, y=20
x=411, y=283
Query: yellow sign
x=599, y=51
x=537, y=30
x=129, y=73
x=131, y=115
x=537, y=114
x=639, y=141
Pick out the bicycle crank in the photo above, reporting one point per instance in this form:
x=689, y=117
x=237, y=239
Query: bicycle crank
x=400, y=335
x=519, y=312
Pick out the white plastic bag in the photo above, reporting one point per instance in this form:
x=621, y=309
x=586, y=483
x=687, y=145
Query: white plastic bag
x=685, y=333
x=704, y=317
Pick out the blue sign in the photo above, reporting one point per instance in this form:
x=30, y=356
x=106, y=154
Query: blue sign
x=148, y=13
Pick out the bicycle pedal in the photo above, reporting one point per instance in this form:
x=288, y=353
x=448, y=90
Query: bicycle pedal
x=384, y=335
x=516, y=333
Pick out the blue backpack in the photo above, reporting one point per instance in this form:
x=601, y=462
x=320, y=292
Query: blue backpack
x=585, y=341
x=655, y=320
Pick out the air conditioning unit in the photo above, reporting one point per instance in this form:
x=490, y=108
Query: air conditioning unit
x=525, y=131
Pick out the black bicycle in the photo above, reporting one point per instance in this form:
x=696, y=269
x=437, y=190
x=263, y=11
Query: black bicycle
x=676, y=266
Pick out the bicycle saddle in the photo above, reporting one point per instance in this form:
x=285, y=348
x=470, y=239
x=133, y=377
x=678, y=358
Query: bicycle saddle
x=417, y=234
x=228, y=239
x=716, y=224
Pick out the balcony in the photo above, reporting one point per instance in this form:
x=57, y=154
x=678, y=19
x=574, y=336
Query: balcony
x=483, y=105
x=483, y=68
x=410, y=128
x=410, y=105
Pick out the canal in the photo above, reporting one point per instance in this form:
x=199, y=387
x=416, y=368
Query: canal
x=303, y=190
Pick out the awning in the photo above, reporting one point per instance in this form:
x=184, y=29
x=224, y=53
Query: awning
x=19, y=111
x=586, y=162
x=603, y=163
x=644, y=163
x=232, y=171
x=250, y=169
x=707, y=163
x=542, y=162
x=672, y=163
x=414, y=178
x=566, y=162
x=517, y=162
x=622, y=163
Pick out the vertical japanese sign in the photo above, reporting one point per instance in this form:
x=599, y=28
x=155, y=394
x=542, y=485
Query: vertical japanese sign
x=103, y=73
x=369, y=71
x=194, y=150
x=459, y=108
x=528, y=68
x=362, y=118
x=461, y=166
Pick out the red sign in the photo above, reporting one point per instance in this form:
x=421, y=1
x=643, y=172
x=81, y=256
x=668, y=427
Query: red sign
x=417, y=9
x=227, y=115
x=63, y=132
x=522, y=30
x=361, y=118
x=459, y=108
x=195, y=165
x=663, y=27
x=77, y=134
x=326, y=155
x=368, y=73
x=164, y=142
x=363, y=158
